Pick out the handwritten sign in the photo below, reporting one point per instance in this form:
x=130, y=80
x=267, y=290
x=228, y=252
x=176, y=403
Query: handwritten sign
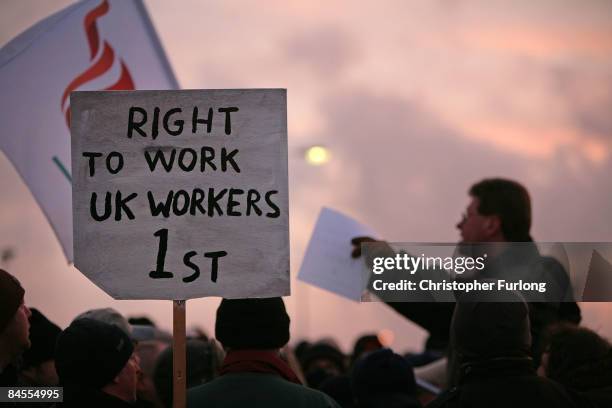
x=181, y=194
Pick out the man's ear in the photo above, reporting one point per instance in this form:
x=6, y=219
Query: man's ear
x=493, y=225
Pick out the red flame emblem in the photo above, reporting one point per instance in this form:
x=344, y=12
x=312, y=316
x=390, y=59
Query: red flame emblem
x=100, y=66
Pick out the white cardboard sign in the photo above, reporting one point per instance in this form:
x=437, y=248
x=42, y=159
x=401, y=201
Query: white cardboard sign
x=327, y=263
x=181, y=194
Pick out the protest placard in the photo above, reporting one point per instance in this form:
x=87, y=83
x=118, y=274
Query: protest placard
x=327, y=263
x=181, y=194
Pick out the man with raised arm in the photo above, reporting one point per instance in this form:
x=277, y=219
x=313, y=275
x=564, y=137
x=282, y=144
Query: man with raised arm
x=499, y=214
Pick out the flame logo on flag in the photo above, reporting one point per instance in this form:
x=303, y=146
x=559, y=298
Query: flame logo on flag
x=97, y=68
x=102, y=65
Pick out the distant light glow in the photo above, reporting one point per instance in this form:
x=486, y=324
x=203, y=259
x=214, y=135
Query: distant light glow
x=317, y=155
x=386, y=337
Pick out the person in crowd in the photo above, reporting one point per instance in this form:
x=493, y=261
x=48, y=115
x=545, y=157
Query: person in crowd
x=320, y=362
x=110, y=316
x=580, y=360
x=300, y=348
x=492, y=344
x=141, y=321
x=202, y=362
x=38, y=362
x=149, y=342
x=96, y=365
x=384, y=379
x=339, y=388
x=498, y=214
x=252, y=331
x=365, y=344
x=14, y=327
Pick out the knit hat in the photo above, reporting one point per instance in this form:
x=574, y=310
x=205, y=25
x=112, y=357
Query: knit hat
x=491, y=329
x=91, y=353
x=43, y=336
x=110, y=316
x=382, y=372
x=11, y=297
x=252, y=323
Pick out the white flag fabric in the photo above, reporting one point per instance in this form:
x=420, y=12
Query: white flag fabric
x=91, y=45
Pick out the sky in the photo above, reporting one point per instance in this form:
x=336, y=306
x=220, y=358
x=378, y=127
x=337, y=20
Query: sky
x=415, y=102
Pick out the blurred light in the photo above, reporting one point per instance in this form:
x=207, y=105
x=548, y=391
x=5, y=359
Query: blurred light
x=386, y=337
x=317, y=155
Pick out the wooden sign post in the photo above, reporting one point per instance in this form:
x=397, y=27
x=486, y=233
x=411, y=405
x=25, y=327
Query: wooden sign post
x=179, y=364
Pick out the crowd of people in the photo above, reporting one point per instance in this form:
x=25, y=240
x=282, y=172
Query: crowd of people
x=103, y=359
x=481, y=352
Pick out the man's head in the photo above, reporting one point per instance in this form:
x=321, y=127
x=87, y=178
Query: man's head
x=321, y=362
x=14, y=318
x=108, y=315
x=576, y=357
x=380, y=374
x=260, y=324
x=499, y=211
x=490, y=325
x=97, y=355
x=151, y=341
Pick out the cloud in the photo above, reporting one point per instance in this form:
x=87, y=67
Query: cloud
x=327, y=50
x=406, y=171
x=542, y=42
x=588, y=94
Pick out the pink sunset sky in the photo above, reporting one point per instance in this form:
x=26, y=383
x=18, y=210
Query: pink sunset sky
x=415, y=101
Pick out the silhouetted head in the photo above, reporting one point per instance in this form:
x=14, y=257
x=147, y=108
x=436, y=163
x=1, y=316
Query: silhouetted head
x=259, y=324
x=499, y=210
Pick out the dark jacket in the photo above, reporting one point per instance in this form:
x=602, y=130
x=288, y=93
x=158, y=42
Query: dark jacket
x=599, y=397
x=504, y=382
x=592, y=380
x=83, y=397
x=526, y=263
x=8, y=376
x=254, y=390
x=391, y=400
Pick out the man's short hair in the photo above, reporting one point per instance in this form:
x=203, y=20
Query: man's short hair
x=510, y=201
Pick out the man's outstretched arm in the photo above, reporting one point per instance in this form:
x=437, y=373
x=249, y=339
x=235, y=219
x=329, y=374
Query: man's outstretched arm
x=435, y=317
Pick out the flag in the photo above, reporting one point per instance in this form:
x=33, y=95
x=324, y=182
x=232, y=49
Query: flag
x=91, y=45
